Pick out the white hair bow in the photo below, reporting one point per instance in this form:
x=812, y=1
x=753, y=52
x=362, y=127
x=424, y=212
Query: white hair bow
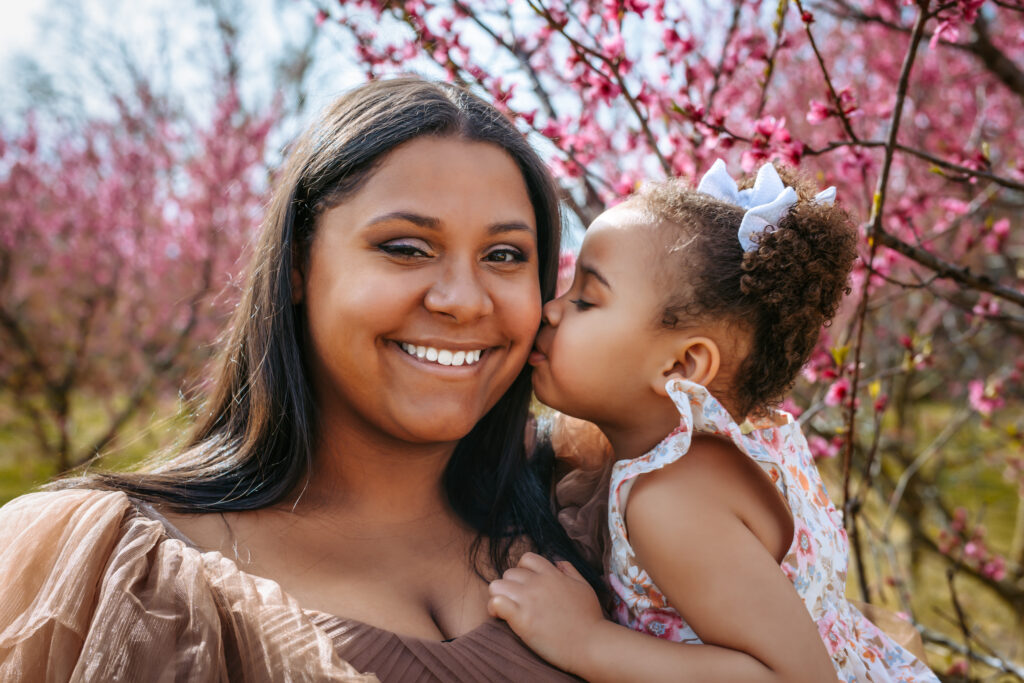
x=765, y=203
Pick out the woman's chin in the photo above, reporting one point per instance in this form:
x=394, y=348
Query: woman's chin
x=437, y=427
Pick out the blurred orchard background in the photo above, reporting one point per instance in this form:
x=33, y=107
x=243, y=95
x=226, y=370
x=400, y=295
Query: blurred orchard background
x=138, y=141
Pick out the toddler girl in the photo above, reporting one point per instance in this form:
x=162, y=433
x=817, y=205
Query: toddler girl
x=690, y=314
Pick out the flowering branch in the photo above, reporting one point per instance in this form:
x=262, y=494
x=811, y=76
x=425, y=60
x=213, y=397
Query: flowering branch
x=877, y=206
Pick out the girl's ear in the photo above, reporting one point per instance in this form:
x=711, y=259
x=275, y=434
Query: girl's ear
x=696, y=359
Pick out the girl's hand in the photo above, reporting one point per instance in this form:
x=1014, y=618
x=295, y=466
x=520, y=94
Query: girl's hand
x=551, y=607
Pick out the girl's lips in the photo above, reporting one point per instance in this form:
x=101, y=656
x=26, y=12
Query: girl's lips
x=536, y=357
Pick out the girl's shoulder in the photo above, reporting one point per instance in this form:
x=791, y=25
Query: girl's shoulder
x=715, y=474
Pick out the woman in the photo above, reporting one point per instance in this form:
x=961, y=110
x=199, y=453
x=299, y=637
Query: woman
x=359, y=472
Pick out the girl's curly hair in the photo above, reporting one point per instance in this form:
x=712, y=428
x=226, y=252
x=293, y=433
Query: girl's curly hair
x=783, y=293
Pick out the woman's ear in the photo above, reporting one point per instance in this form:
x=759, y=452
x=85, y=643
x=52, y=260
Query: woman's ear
x=696, y=359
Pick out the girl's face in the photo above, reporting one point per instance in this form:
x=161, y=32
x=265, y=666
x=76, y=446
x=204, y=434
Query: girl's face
x=422, y=292
x=600, y=352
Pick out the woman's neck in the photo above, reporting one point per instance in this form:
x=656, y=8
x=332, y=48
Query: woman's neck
x=361, y=475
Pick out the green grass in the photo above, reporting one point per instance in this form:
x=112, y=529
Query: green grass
x=23, y=468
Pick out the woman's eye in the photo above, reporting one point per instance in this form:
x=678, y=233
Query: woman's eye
x=506, y=255
x=404, y=249
x=581, y=304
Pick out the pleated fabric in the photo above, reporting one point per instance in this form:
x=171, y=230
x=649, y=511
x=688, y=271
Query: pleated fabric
x=94, y=589
x=490, y=652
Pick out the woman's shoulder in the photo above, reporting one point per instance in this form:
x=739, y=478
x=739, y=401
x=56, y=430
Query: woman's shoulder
x=61, y=505
x=79, y=564
x=58, y=550
x=55, y=542
x=51, y=522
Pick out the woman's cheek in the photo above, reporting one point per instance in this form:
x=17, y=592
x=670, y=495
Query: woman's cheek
x=525, y=309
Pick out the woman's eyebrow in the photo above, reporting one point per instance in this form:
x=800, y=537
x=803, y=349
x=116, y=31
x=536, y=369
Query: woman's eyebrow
x=432, y=223
x=512, y=226
x=589, y=270
x=409, y=217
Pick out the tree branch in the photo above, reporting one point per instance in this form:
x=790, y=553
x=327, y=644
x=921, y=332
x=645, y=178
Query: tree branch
x=949, y=271
x=994, y=59
x=780, y=27
x=997, y=663
x=877, y=207
x=734, y=23
x=836, y=101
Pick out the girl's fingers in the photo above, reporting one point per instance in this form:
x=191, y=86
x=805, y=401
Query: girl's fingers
x=536, y=563
x=518, y=575
x=508, y=589
x=501, y=607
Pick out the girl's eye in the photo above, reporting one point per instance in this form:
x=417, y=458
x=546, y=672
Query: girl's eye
x=506, y=255
x=404, y=249
x=581, y=304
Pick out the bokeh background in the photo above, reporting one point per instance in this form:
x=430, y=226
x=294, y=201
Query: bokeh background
x=138, y=141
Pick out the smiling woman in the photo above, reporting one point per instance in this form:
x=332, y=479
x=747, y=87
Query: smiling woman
x=447, y=264
x=358, y=472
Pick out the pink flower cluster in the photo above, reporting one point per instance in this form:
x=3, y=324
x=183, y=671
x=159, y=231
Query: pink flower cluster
x=125, y=230
x=966, y=543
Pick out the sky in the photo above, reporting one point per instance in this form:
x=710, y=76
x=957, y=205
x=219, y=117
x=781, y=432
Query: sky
x=165, y=38
x=17, y=27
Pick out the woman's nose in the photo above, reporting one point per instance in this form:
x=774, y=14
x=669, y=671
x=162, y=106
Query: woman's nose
x=460, y=294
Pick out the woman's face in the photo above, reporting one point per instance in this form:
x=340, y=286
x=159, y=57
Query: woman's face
x=422, y=292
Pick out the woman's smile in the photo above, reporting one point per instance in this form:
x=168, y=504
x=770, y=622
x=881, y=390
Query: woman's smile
x=446, y=354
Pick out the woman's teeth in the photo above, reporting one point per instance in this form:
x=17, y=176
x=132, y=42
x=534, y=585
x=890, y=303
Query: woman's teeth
x=442, y=356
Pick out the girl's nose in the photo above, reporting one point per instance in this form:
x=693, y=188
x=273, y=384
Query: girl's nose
x=459, y=294
x=551, y=314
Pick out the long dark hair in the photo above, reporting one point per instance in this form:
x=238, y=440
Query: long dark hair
x=252, y=445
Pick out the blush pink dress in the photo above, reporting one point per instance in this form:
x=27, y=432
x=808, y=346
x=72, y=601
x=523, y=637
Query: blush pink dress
x=817, y=559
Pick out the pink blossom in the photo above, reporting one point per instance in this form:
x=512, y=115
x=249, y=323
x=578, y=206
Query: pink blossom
x=822, y=448
x=959, y=519
x=838, y=392
x=995, y=569
x=614, y=46
x=818, y=112
x=945, y=31
x=996, y=236
x=984, y=397
x=566, y=271
x=957, y=668
x=790, y=406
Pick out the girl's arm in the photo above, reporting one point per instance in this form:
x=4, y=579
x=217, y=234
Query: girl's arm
x=691, y=527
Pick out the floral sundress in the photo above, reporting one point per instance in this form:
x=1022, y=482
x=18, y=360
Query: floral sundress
x=816, y=562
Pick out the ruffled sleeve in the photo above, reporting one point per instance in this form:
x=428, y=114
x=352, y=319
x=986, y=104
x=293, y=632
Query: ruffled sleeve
x=93, y=590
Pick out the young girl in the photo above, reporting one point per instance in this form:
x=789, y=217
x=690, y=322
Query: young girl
x=690, y=314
